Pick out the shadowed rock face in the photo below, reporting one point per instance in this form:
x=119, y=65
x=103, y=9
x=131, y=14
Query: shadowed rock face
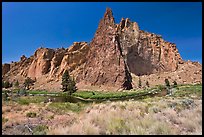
x=5, y=68
x=116, y=54
x=146, y=53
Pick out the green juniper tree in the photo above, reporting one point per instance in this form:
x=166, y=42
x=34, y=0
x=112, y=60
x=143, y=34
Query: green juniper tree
x=65, y=81
x=68, y=84
x=11, y=84
x=167, y=86
x=147, y=84
x=167, y=83
x=140, y=83
x=175, y=84
x=6, y=84
x=2, y=84
x=28, y=82
x=72, y=86
x=16, y=84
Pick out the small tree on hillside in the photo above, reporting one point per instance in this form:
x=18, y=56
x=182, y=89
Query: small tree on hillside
x=11, y=84
x=68, y=84
x=28, y=82
x=6, y=84
x=2, y=84
x=175, y=84
x=167, y=83
x=65, y=81
x=140, y=83
x=167, y=86
x=147, y=84
x=16, y=84
x=72, y=87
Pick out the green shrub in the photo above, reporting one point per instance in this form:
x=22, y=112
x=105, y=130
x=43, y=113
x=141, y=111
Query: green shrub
x=2, y=84
x=23, y=101
x=140, y=83
x=28, y=100
x=160, y=87
x=63, y=107
x=108, y=95
x=40, y=130
x=7, y=84
x=16, y=84
x=4, y=120
x=31, y=114
x=51, y=117
x=118, y=126
x=28, y=82
x=147, y=83
x=167, y=83
x=175, y=84
x=37, y=92
x=189, y=90
x=22, y=92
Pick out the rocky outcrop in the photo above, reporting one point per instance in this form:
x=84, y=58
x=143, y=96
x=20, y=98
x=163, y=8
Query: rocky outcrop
x=5, y=68
x=41, y=63
x=106, y=65
x=187, y=73
x=145, y=52
x=56, y=61
x=23, y=58
x=18, y=70
x=74, y=57
x=116, y=57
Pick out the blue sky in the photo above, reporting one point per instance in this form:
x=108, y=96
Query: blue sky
x=27, y=26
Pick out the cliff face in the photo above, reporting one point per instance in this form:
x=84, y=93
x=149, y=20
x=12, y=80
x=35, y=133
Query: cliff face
x=145, y=52
x=41, y=63
x=47, y=65
x=105, y=65
x=117, y=53
x=187, y=73
x=5, y=68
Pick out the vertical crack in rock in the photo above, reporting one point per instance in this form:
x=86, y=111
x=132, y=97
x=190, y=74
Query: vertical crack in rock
x=128, y=79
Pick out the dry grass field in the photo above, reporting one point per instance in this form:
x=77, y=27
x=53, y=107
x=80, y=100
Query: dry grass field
x=178, y=114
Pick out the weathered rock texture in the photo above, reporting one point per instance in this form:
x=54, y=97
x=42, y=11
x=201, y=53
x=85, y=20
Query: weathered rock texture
x=187, y=73
x=145, y=52
x=5, y=68
x=41, y=64
x=46, y=66
x=105, y=64
x=113, y=60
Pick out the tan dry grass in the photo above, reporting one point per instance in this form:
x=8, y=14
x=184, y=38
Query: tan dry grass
x=136, y=117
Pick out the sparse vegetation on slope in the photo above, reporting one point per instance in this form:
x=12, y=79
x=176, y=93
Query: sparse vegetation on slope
x=40, y=130
x=157, y=116
x=63, y=107
x=189, y=91
x=151, y=116
x=31, y=114
x=32, y=99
